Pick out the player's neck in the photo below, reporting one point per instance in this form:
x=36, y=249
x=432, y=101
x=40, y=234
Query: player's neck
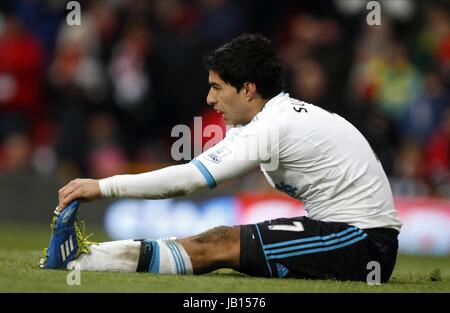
x=256, y=106
x=259, y=105
x=263, y=104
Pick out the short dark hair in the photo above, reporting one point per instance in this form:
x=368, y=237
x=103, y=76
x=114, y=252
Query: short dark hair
x=248, y=58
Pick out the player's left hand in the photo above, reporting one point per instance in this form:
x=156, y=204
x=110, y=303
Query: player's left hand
x=84, y=189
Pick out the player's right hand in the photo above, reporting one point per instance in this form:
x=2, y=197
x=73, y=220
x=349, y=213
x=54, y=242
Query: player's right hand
x=84, y=189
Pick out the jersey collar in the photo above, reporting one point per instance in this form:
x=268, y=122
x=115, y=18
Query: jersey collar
x=273, y=101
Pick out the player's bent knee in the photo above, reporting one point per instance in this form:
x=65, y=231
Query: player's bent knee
x=215, y=248
x=219, y=234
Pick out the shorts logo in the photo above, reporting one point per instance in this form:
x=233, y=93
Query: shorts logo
x=216, y=157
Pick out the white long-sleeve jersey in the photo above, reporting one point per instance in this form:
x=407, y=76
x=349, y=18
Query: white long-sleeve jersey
x=305, y=151
x=312, y=155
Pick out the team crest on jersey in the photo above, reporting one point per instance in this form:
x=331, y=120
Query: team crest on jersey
x=216, y=156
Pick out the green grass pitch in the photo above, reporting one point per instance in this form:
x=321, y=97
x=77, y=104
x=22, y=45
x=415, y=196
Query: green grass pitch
x=21, y=246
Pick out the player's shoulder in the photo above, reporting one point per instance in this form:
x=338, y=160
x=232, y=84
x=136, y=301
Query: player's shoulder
x=274, y=109
x=286, y=112
x=284, y=106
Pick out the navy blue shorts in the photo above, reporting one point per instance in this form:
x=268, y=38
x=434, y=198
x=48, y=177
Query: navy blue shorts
x=304, y=248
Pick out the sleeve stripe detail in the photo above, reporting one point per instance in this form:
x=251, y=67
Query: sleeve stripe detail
x=209, y=178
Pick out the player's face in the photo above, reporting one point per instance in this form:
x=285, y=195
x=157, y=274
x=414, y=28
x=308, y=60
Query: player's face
x=233, y=105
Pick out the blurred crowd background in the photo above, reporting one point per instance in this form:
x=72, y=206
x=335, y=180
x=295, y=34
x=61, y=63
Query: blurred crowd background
x=101, y=98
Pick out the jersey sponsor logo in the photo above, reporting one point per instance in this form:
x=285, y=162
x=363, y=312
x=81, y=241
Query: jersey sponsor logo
x=286, y=188
x=216, y=156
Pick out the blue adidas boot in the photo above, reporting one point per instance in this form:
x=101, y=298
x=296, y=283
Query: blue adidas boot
x=67, y=240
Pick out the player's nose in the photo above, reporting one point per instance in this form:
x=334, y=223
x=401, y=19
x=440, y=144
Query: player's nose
x=211, y=99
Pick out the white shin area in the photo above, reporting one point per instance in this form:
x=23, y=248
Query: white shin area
x=112, y=256
x=169, y=257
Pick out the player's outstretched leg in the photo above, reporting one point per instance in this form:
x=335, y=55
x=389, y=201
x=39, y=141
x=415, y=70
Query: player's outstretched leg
x=68, y=247
x=208, y=251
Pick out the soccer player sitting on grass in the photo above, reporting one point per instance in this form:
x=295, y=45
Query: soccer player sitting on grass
x=315, y=156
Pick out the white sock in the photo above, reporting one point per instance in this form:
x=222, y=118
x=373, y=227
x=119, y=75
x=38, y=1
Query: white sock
x=115, y=256
x=169, y=257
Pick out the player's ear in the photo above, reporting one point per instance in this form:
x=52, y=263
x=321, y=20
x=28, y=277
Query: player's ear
x=250, y=90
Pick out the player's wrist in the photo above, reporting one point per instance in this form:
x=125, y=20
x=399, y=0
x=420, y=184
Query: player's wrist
x=105, y=186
